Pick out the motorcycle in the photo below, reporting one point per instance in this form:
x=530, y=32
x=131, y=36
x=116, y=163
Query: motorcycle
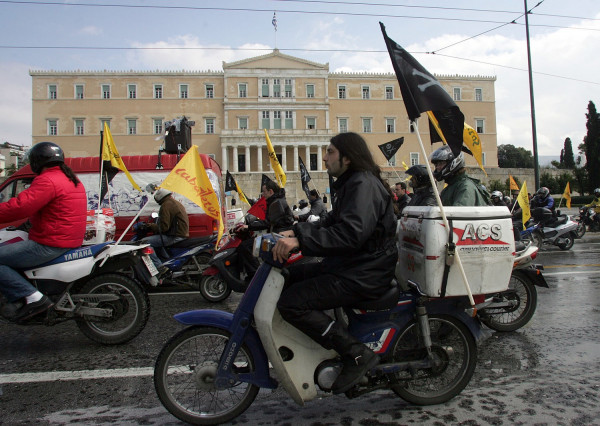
x=86, y=286
x=512, y=309
x=588, y=218
x=211, y=371
x=543, y=228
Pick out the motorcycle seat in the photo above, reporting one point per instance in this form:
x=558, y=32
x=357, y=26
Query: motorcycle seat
x=387, y=301
x=192, y=242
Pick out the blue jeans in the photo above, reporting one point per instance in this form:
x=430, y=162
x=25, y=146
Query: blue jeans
x=158, y=242
x=20, y=256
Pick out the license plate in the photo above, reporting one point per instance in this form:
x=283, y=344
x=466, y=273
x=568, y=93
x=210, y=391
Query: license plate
x=151, y=268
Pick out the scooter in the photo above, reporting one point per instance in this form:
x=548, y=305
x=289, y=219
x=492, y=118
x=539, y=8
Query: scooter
x=543, y=228
x=86, y=286
x=211, y=372
x=589, y=218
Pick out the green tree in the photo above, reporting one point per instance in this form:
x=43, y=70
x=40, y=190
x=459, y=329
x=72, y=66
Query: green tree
x=591, y=147
x=510, y=156
x=568, y=159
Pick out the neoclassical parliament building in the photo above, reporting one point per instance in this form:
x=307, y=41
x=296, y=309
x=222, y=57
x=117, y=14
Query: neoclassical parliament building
x=301, y=103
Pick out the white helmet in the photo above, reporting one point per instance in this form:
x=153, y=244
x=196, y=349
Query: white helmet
x=161, y=194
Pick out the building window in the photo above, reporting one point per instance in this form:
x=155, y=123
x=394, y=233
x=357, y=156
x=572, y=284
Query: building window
x=277, y=119
x=183, y=91
x=132, y=91
x=366, y=92
x=131, y=126
x=310, y=90
x=288, y=87
x=266, y=120
x=366, y=125
x=79, y=91
x=243, y=123
x=342, y=125
x=276, y=88
x=52, y=91
x=457, y=93
x=106, y=91
x=79, y=127
x=313, y=161
x=341, y=92
x=265, y=88
x=241, y=162
x=480, y=125
x=52, y=127
x=311, y=123
x=483, y=162
x=478, y=95
x=242, y=90
x=289, y=120
x=158, y=126
x=104, y=120
x=210, y=91
x=414, y=158
x=390, y=125
x=158, y=91
x=210, y=125
x=389, y=92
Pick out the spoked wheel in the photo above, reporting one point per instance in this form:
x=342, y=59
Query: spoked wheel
x=568, y=241
x=128, y=314
x=521, y=298
x=214, y=288
x=192, y=270
x=185, y=372
x=454, y=354
x=580, y=231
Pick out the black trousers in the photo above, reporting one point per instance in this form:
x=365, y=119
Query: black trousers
x=247, y=262
x=307, y=293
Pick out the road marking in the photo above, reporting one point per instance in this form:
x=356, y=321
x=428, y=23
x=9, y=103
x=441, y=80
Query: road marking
x=53, y=376
x=550, y=274
x=592, y=265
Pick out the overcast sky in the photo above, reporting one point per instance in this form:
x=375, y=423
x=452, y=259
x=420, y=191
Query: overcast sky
x=468, y=37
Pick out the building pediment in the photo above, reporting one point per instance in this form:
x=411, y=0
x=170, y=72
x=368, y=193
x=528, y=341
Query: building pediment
x=277, y=60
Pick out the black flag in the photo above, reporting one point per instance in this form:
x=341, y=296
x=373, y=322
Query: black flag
x=422, y=92
x=390, y=148
x=230, y=182
x=264, y=181
x=304, y=176
x=108, y=173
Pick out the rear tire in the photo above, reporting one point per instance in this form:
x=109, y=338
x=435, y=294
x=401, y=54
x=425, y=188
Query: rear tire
x=569, y=240
x=214, y=288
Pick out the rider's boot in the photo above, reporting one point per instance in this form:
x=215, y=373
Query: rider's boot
x=356, y=357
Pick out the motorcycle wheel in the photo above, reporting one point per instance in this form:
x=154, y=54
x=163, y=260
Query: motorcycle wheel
x=523, y=295
x=580, y=231
x=214, y=288
x=193, y=269
x=130, y=312
x=455, y=353
x=185, y=372
x=569, y=240
x=536, y=238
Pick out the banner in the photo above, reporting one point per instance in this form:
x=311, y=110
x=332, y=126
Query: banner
x=390, y=148
x=512, y=184
x=523, y=201
x=304, y=176
x=279, y=174
x=231, y=185
x=567, y=195
x=189, y=179
x=259, y=209
x=111, y=155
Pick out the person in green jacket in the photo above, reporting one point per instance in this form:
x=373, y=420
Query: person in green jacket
x=461, y=190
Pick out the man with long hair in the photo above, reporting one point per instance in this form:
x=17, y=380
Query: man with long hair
x=357, y=242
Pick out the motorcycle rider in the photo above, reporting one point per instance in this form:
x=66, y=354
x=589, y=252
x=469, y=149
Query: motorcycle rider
x=302, y=208
x=421, y=184
x=402, y=196
x=317, y=208
x=173, y=226
x=543, y=199
x=462, y=190
x=357, y=242
x=498, y=199
x=56, y=205
x=596, y=204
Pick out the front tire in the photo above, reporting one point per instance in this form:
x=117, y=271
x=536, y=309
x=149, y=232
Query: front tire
x=184, y=377
x=522, y=295
x=129, y=314
x=580, y=231
x=214, y=288
x=455, y=354
x=568, y=241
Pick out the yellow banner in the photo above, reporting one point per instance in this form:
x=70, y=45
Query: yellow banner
x=110, y=153
x=279, y=174
x=241, y=194
x=189, y=179
x=523, y=201
x=567, y=195
x=513, y=184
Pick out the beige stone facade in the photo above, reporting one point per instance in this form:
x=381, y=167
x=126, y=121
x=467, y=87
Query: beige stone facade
x=301, y=103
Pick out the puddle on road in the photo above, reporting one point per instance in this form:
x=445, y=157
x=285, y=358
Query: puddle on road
x=581, y=352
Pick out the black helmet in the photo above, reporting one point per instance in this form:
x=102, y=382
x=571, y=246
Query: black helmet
x=303, y=203
x=419, y=176
x=543, y=192
x=507, y=200
x=45, y=154
x=453, y=164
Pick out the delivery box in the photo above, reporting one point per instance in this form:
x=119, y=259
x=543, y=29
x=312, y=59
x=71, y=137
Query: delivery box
x=482, y=237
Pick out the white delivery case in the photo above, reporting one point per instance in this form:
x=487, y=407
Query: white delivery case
x=484, y=241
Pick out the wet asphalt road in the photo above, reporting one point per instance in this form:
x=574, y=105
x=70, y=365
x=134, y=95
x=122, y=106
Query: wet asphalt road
x=546, y=373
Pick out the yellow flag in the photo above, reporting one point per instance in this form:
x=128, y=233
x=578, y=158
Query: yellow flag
x=405, y=166
x=567, y=195
x=512, y=184
x=472, y=141
x=279, y=174
x=189, y=179
x=241, y=194
x=110, y=153
x=523, y=201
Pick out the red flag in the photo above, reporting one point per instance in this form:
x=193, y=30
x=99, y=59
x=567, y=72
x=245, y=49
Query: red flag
x=259, y=209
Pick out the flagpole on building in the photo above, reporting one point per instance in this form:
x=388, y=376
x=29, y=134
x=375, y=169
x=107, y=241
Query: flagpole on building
x=444, y=218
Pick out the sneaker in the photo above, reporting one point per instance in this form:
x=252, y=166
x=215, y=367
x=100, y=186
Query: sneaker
x=32, y=309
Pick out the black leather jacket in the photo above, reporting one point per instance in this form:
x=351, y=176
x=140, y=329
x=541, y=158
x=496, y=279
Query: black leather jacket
x=279, y=215
x=357, y=237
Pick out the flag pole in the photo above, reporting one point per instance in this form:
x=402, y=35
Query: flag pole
x=134, y=219
x=444, y=218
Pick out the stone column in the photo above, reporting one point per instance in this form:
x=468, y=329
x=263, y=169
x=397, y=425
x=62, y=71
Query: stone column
x=319, y=157
x=284, y=158
x=296, y=163
x=259, y=155
x=247, y=158
x=307, y=157
x=235, y=158
x=224, y=162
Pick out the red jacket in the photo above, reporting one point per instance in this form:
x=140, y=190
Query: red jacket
x=56, y=208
